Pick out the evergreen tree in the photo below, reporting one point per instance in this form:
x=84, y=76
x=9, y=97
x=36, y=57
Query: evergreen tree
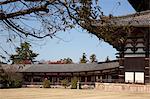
x=107, y=59
x=23, y=54
x=93, y=58
x=83, y=59
x=68, y=60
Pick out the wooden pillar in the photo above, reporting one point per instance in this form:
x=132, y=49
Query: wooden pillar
x=121, y=75
x=57, y=78
x=32, y=78
x=92, y=78
x=97, y=78
x=147, y=70
x=147, y=59
x=85, y=79
x=106, y=77
x=101, y=78
x=71, y=77
x=45, y=76
x=52, y=79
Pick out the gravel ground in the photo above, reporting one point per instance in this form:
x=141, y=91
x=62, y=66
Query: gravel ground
x=41, y=93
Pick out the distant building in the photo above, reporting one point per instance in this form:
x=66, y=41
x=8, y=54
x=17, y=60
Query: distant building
x=86, y=73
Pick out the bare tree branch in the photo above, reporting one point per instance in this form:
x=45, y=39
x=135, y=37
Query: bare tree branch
x=8, y=1
x=23, y=12
x=43, y=18
x=12, y=1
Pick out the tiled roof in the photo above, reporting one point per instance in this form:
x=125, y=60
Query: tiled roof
x=15, y=67
x=139, y=19
x=68, y=67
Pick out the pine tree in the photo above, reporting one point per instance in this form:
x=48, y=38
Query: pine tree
x=83, y=59
x=107, y=59
x=93, y=58
x=67, y=60
x=23, y=54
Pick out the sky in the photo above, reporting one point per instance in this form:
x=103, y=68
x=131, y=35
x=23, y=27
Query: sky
x=77, y=41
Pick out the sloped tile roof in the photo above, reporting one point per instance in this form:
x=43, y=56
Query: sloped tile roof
x=70, y=67
x=15, y=67
x=139, y=19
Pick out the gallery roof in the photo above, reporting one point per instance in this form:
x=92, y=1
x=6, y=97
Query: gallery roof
x=66, y=67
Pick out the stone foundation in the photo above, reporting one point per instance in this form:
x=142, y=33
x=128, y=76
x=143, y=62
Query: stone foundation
x=32, y=86
x=112, y=87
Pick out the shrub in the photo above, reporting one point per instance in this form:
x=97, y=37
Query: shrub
x=64, y=82
x=46, y=83
x=74, y=81
x=10, y=78
x=15, y=84
x=3, y=84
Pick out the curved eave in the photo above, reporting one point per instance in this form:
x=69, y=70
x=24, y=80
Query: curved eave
x=140, y=19
x=107, y=27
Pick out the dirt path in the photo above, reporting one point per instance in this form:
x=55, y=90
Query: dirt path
x=41, y=93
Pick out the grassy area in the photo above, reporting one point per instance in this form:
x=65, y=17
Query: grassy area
x=41, y=93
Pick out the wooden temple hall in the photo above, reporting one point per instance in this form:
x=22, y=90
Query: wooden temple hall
x=85, y=73
x=134, y=50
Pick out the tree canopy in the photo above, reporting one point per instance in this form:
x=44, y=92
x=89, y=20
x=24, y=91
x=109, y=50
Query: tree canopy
x=43, y=18
x=18, y=17
x=67, y=60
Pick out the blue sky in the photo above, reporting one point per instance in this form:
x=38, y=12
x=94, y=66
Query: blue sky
x=77, y=41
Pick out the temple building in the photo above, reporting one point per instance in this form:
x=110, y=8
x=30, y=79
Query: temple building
x=34, y=74
x=134, y=56
x=134, y=50
x=130, y=36
x=132, y=65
